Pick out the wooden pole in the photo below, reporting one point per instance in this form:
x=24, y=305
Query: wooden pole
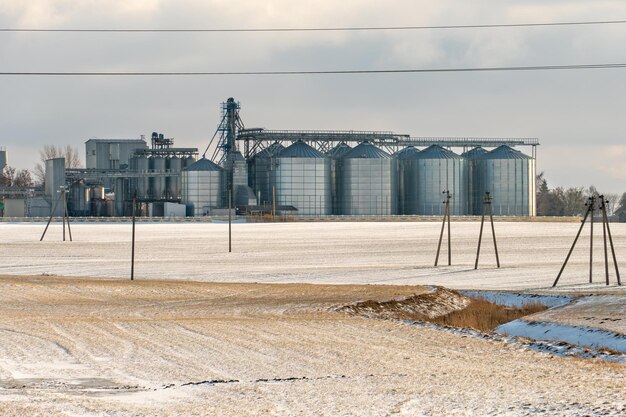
x=606, y=251
x=493, y=229
x=480, y=237
x=132, y=253
x=230, y=204
x=449, y=234
x=592, y=202
x=273, y=203
x=56, y=203
x=67, y=216
x=608, y=229
x=64, y=211
x=573, y=245
x=443, y=225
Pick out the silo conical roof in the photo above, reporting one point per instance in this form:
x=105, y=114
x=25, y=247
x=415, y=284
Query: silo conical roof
x=203, y=164
x=407, y=153
x=300, y=150
x=339, y=150
x=437, y=152
x=270, y=151
x=367, y=150
x=474, y=153
x=505, y=152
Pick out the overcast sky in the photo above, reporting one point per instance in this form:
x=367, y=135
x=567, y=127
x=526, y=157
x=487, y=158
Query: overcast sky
x=577, y=115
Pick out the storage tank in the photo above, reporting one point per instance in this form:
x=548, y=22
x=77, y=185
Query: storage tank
x=509, y=175
x=335, y=154
x=141, y=184
x=430, y=172
x=401, y=159
x=175, y=165
x=301, y=177
x=259, y=172
x=474, y=199
x=203, y=187
x=188, y=161
x=368, y=181
x=158, y=165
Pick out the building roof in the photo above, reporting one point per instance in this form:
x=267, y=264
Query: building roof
x=366, y=150
x=407, y=153
x=436, y=152
x=300, y=149
x=473, y=153
x=203, y=164
x=339, y=150
x=505, y=152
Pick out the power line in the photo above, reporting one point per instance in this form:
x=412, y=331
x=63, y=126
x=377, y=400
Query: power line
x=328, y=29
x=322, y=72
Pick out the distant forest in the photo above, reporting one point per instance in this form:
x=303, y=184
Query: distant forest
x=571, y=201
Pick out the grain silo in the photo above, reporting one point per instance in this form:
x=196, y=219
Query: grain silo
x=158, y=165
x=368, y=182
x=430, y=172
x=402, y=161
x=335, y=154
x=175, y=165
x=301, y=177
x=203, y=185
x=474, y=199
x=259, y=168
x=509, y=175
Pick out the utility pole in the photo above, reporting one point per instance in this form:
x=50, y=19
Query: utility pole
x=487, y=205
x=446, y=216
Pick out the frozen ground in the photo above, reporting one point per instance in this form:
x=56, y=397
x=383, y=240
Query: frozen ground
x=363, y=253
x=93, y=347
x=184, y=339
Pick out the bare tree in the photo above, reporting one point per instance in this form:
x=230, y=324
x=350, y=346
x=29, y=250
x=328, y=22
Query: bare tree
x=71, y=155
x=10, y=177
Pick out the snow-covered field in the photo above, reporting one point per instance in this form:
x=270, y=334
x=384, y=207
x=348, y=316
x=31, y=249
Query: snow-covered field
x=531, y=254
x=193, y=336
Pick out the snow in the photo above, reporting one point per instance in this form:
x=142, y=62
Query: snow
x=582, y=336
x=193, y=336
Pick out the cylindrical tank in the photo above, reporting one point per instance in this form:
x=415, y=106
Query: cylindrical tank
x=259, y=168
x=401, y=159
x=188, y=161
x=301, y=177
x=203, y=186
x=120, y=191
x=427, y=174
x=474, y=199
x=368, y=181
x=158, y=166
x=140, y=184
x=509, y=176
x=335, y=155
x=175, y=165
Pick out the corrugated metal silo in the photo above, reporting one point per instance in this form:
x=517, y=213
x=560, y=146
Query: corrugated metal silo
x=402, y=161
x=336, y=193
x=368, y=181
x=474, y=199
x=301, y=177
x=259, y=168
x=175, y=165
x=430, y=172
x=158, y=165
x=203, y=185
x=509, y=175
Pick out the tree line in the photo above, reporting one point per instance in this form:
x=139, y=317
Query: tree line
x=561, y=201
x=11, y=177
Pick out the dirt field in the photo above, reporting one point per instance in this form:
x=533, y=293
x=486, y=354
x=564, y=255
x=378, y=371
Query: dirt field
x=205, y=332
x=111, y=347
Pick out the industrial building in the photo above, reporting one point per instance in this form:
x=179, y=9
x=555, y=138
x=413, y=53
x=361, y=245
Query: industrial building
x=301, y=173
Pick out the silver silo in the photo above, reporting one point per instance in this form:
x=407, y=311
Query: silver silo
x=430, y=172
x=301, y=177
x=259, y=168
x=140, y=184
x=509, y=175
x=158, y=166
x=368, y=181
x=474, y=199
x=203, y=185
x=402, y=160
x=335, y=155
x=175, y=165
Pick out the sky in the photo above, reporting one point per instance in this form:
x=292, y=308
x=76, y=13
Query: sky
x=577, y=115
